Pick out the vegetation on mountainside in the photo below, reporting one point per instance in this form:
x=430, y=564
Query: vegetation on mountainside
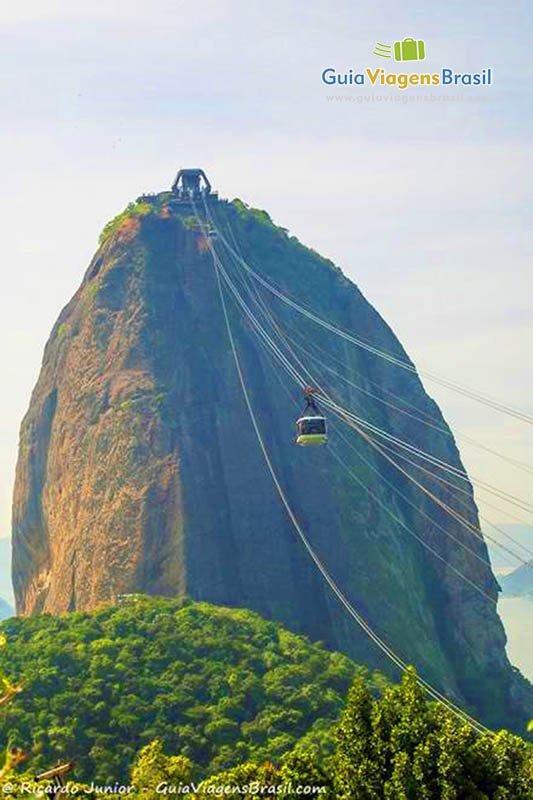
x=10, y=757
x=136, y=209
x=255, y=226
x=217, y=685
x=396, y=746
x=399, y=747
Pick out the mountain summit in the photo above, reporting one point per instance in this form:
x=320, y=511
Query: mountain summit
x=139, y=469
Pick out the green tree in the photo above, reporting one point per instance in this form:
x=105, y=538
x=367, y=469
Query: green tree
x=400, y=747
x=11, y=756
x=153, y=769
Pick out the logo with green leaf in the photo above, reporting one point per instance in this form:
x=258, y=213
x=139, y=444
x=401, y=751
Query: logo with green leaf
x=406, y=50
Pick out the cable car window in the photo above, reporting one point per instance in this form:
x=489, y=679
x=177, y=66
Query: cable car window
x=313, y=426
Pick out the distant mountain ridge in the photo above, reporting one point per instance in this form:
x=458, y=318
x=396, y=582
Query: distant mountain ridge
x=522, y=535
x=519, y=583
x=6, y=586
x=6, y=610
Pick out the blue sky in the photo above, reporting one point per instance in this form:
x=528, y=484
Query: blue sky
x=423, y=204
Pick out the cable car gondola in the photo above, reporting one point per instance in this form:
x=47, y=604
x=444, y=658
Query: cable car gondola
x=311, y=425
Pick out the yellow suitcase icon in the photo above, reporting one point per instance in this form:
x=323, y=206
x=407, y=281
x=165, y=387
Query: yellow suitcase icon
x=410, y=50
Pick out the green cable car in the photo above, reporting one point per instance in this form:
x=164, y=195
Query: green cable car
x=311, y=426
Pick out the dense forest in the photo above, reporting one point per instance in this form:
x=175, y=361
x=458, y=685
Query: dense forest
x=228, y=676
x=218, y=685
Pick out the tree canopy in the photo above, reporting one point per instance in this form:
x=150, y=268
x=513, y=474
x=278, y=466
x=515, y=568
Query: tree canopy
x=219, y=686
x=194, y=700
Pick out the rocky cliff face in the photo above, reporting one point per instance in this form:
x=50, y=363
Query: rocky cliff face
x=139, y=469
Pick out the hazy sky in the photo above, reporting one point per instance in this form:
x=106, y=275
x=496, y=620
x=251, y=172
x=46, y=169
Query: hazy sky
x=422, y=204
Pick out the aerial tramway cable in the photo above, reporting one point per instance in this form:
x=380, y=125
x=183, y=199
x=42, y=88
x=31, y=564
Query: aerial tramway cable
x=221, y=270
x=429, y=421
x=473, y=529
x=505, y=496
x=437, y=462
x=352, y=419
x=464, y=390
x=477, y=532
x=346, y=416
x=447, y=484
x=396, y=491
x=447, y=533
x=402, y=665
